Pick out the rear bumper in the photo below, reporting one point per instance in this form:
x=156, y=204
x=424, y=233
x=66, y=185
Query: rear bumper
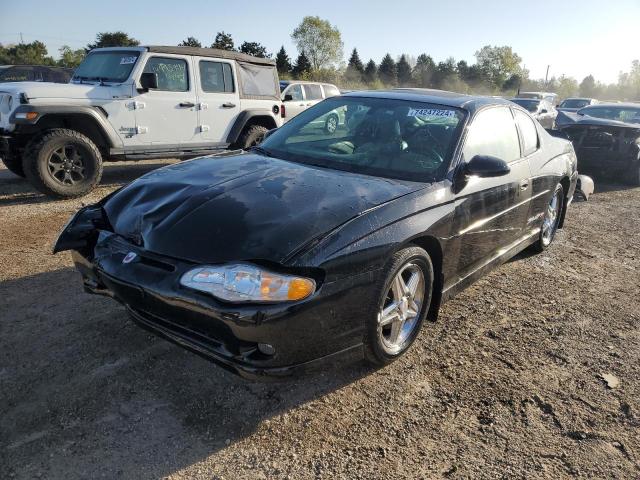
x=326, y=328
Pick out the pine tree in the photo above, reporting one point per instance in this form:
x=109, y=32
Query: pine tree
x=303, y=66
x=223, y=41
x=283, y=63
x=371, y=72
x=387, y=71
x=355, y=68
x=423, y=71
x=404, y=71
x=190, y=42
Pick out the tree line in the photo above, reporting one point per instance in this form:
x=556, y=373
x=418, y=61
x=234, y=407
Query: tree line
x=497, y=69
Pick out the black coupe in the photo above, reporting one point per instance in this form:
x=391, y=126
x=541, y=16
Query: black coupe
x=322, y=246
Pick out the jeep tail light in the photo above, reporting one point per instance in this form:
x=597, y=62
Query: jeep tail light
x=283, y=112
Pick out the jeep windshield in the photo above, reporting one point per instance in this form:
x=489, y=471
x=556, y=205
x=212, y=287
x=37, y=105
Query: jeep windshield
x=107, y=66
x=390, y=138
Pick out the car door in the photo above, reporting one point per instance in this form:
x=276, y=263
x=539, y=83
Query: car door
x=312, y=94
x=218, y=98
x=541, y=183
x=293, y=100
x=166, y=116
x=491, y=213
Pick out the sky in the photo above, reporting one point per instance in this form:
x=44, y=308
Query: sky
x=575, y=38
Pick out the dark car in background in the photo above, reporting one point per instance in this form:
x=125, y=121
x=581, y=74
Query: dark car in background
x=606, y=138
x=541, y=110
x=318, y=246
x=34, y=73
x=574, y=104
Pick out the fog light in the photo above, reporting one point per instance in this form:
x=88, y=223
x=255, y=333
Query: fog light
x=266, y=348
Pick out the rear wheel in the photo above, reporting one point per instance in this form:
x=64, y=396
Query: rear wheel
x=400, y=306
x=551, y=220
x=63, y=163
x=14, y=165
x=251, y=136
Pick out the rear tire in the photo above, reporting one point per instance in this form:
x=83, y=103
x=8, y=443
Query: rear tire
x=14, y=165
x=251, y=136
x=398, y=309
x=331, y=123
x=551, y=220
x=63, y=163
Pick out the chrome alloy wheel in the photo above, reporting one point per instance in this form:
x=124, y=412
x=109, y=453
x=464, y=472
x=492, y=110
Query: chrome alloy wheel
x=399, y=314
x=332, y=124
x=551, y=218
x=66, y=165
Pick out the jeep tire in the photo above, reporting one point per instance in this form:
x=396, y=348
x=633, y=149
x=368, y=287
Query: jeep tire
x=62, y=163
x=14, y=165
x=251, y=136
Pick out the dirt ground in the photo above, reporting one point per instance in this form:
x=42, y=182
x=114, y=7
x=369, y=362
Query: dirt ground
x=507, y=384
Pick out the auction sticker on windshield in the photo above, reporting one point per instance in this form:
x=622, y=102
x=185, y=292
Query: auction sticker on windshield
x=430, y=112
x=127, y=60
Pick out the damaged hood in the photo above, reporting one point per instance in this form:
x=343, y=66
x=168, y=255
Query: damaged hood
x=569, y=119
x=242, y=207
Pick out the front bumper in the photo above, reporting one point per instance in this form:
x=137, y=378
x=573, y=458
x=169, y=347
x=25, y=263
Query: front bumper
x=327, y=327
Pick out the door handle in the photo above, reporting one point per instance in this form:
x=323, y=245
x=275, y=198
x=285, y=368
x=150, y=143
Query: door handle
x=524, y=184
x=228, y=105
x=187, y=104
x=301, y=105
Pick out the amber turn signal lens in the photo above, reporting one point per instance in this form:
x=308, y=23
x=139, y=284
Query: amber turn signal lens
x=300, y=288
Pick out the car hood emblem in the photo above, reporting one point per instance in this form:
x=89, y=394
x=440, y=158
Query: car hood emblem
x=129, y=257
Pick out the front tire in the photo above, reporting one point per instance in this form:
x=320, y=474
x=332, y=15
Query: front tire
x=552, y=215
x=63, y=163
x=400, y=306
x=14, y=165
x=331, y=124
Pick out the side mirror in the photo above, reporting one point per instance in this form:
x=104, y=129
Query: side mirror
x=148, y=80
x=288, y=98
x=486, y=166
x=544, y=110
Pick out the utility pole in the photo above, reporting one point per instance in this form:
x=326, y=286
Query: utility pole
x=546, y=77
x=21, y=39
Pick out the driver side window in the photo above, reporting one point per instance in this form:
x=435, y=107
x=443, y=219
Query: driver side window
x=493, y=132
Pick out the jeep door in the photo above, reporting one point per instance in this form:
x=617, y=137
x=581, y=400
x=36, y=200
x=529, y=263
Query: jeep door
x=218, y=98
x=166, y=116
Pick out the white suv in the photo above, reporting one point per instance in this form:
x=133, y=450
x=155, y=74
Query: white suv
x=128, y=103
x=297, y=96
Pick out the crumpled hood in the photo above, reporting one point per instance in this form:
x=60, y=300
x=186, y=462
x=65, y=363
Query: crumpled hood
x=42, y=90
x=242, y=207
x=566, y=119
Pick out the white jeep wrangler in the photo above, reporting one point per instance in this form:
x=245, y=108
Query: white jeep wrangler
x=133, y=103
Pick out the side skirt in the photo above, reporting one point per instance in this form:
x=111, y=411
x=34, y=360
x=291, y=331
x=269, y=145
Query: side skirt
x=494, y=261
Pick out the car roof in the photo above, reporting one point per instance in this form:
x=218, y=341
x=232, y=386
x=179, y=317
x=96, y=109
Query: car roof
x=197, y=51
x=578, y=98
x=440, y=97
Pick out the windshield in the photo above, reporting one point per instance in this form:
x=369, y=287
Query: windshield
x=107, y=66
x=621, y=114
x=530, y=105
x=574, y=103
x=383, y=137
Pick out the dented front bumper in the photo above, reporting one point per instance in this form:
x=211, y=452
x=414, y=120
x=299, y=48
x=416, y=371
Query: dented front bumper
x=325, y=327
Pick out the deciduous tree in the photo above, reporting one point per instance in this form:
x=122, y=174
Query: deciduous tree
x=320, y=41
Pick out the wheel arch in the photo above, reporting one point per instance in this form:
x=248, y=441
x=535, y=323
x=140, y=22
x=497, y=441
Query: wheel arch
x=566, y=185
x=248, y=118
x=432, y=246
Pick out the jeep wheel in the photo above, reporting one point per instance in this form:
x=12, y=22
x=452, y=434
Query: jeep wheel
x=63, y=163
x=251, y=136
x=14, y=165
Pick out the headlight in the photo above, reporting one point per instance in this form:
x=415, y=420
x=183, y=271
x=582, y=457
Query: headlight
x=247, y=283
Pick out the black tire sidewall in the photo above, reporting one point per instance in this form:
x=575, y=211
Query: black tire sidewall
x=36, y=167
x=252, y=136
x=540, y=245
x=373, y=349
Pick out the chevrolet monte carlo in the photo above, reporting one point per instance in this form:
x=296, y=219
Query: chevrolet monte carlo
x=318, y=246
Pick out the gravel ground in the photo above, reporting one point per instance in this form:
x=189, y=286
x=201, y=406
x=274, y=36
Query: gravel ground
x=507, y=384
